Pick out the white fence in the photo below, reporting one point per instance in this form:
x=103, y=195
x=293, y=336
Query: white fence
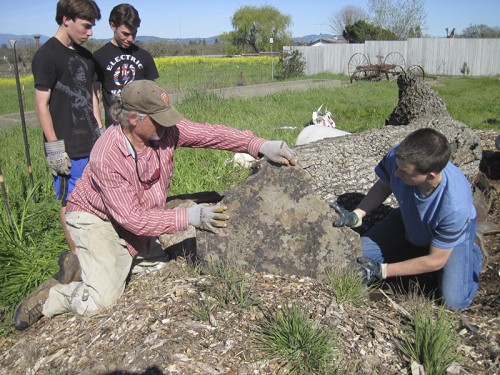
x=435, y=56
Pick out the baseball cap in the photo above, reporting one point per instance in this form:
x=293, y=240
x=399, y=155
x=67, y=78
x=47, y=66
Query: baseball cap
x=145, y=96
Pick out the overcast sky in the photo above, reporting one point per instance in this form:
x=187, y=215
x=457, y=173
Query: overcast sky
x=203, y=18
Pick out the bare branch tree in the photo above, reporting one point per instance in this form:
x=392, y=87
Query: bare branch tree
x=402, y=17
x=347, y=15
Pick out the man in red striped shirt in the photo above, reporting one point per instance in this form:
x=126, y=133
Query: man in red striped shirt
x=116, y=210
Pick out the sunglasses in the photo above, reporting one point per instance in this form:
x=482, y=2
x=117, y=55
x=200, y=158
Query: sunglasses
x=156, y=175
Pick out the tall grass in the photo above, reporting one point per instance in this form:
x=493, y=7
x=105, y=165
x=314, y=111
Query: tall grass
x=184, y=73
x=300, y=347
x=9, y=101
x=347, y=285
x=430, y=339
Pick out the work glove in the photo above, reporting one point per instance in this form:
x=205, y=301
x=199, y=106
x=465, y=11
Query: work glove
x=346, y=218
x=57, y=157
x=277, y=152
x=207, y=217
x=371, y=271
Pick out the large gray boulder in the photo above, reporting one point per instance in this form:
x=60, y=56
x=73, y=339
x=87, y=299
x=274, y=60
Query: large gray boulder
x=278, y=225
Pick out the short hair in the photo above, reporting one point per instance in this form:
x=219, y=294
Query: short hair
x=125, y=14
x=84, y=9
x=427, y=149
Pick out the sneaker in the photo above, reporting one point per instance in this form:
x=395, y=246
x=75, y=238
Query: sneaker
x=30, y=310
x=69, y=268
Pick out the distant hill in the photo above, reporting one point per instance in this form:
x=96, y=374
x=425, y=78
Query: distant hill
x=4, y=39
x=312, y=37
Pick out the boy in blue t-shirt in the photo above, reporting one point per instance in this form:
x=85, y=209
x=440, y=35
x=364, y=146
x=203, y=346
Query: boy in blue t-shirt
x=434, y=227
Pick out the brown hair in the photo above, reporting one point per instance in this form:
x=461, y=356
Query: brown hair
x=427, y=149
x=125, y=14
x=84, y=9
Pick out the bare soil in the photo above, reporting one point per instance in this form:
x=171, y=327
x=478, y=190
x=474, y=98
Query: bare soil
x=153, y=329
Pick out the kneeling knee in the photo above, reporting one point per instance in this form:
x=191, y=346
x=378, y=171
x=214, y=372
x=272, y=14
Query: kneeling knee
x=455, y=302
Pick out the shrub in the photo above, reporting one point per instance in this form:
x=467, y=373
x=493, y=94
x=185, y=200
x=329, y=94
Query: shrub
x=291, y=65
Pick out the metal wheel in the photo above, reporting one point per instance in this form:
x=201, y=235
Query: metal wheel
x=417, y=71
x=396, y=59
x=394, y=72
x=356, y=64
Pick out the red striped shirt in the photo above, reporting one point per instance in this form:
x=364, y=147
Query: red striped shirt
x=109, y=187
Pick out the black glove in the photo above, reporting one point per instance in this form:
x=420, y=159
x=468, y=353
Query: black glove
x=346, y=218
x=371, y=271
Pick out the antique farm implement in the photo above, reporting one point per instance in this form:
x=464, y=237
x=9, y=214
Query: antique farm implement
x=360, y=67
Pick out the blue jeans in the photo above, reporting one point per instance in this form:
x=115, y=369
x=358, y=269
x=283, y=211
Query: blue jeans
x=457, y=281
x=64, y=185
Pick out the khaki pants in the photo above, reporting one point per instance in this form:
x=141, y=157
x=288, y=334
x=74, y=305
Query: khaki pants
x=105, y=263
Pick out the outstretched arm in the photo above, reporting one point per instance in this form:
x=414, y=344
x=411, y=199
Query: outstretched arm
x=377, y=194
x=372, y=271
x=434, y=261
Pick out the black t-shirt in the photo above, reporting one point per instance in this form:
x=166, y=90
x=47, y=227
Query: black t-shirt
x=69, y=74
x=116, y=67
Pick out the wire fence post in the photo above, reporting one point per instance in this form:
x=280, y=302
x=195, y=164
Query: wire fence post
x=271, y=41
x=21, y=111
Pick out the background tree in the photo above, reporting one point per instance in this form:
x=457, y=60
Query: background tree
x=93, y=44
x=347, y=15
x=402, y=17
x=481, y=31
x=361, y=31
x=253, y=26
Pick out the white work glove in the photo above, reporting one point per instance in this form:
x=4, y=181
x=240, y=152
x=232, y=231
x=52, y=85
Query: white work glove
x=206, y=217
x=277, y=152
x=57, y=157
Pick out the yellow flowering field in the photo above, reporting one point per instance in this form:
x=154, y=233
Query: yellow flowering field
x=9, y=102
x=178, y=73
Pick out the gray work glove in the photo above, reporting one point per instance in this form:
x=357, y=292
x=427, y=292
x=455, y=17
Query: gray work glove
x=346, y=218
x=206, y=217
x=57, y=157
x=371, y=271
x=277, y=152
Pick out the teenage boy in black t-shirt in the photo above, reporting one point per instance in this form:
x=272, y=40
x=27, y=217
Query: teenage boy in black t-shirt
x=66, y=103
x=121, y=61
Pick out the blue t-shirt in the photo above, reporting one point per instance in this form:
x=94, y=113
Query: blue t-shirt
x=441, y=219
